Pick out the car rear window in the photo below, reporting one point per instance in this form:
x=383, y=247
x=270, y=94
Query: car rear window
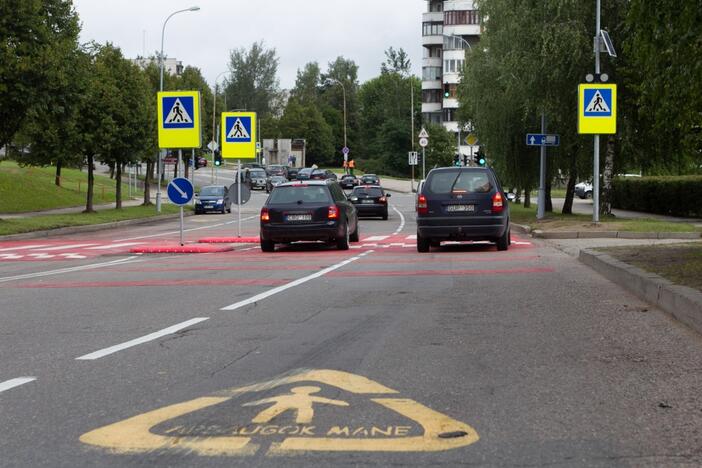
x=299, y=193
x=258, y=173
x=371, y=192
x=446, y=182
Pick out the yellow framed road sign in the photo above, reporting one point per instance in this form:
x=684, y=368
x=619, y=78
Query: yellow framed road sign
x=239, y=135
x=179, y=119
x=597, y=109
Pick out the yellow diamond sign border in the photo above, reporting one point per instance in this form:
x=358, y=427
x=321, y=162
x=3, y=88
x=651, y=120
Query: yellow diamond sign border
x=134, y=435
x=179, y=137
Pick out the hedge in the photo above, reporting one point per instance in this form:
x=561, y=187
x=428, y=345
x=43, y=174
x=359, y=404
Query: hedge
x=675, y=196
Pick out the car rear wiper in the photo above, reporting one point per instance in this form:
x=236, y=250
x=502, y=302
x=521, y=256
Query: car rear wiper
x=454, y=182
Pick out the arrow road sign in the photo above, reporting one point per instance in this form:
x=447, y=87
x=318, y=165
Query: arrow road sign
x=541, y=139
x=180, y=191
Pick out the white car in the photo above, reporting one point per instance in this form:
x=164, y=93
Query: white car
x=583, y=190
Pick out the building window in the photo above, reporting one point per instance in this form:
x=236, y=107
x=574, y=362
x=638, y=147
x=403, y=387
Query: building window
x=449, y=115
x=436, y=7
x=431, y=73
x=432, y=117
x=432, y=52
x=461, y=17
x=432, y=29
x=454, y=43
x=450, y=91
x=431, y=96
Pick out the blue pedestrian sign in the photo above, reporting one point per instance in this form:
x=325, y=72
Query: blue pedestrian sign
x=542, y=139
x=180, y=191
x=178, y=112
x=598, y=102
x=238, y=129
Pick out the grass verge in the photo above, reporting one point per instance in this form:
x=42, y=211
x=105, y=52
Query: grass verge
x=679, y=263
x=30, y=188
x=40, y=223
x=579, y=222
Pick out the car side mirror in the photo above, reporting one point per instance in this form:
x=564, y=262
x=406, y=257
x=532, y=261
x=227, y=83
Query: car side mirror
x=388, y=195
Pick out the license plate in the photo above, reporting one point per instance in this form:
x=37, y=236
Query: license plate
x=460, y=208
x=367, y=201
x=303, y=217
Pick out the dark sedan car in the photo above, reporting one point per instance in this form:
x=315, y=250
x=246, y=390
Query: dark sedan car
x=274, y=181
x=462, y=203
x=370, y=179
x=370, y=200
x=304, y=173
x=308, y=211
x=257, y=179
x=322, y=174
x=213, y=198
x=292, y=173
x=349, y=181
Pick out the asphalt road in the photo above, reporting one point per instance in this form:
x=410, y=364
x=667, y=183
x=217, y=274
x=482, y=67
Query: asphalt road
x=314, y=357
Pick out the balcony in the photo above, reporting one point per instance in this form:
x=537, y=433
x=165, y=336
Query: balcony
x=463, y=30
x=431, y=107
x=432, y=84
x=450, y=103
x=452, y=78
x=459, y=5
x=432, y=62
x=436, y=16
x=433, y=40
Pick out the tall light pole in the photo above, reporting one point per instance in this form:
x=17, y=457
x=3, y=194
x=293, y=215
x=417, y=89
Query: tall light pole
x=160, y=58
x=214, y=126
x=458, y=134
x=596, y=158
x=343, y=89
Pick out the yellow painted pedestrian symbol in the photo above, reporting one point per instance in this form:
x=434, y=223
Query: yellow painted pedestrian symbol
x=300, y=401
x=298, y=419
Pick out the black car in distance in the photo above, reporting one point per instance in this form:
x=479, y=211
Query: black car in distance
x=308, y=211
x=370, y=179
x=370, y=200
x=462, y=204
x=274, y=181
x=349, y=181
x=213, y=198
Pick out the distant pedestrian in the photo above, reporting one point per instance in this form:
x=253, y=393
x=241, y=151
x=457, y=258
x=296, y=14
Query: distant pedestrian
x=352, y=166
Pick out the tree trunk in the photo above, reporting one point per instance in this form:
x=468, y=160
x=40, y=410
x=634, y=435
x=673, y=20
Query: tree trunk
x=175, y=168
x=570, y=194
x=91, y=184
x=112, y=170
x=527, y=198
x=607, y=175
x=549, y=202
x=186, y=165
x=147, y=182
x=118, y=188
x=57, y=180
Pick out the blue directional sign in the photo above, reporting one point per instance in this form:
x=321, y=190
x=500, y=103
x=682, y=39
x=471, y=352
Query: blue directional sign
x=542, y=139
x=180, y=191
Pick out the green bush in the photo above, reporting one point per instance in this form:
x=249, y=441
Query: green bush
x=676, y=196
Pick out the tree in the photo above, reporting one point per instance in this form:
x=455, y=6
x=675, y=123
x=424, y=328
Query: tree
x=192, y=80
x=253, y=83
x=31, y=34
x=397, y=62
x=306, y=121
x=344, y=71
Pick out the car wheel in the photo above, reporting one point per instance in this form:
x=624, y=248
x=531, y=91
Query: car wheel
x=224, y=209
x=267, y=245
x=588, y=194
x=503, y=241
x=342, y=243
x=355, y=237
x=385, y=216
x=423, y=244
x=435, y=243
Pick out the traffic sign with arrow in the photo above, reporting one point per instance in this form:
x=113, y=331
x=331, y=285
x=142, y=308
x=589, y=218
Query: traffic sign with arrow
x=541, y=139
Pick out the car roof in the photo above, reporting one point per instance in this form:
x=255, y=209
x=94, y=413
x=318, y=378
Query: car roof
x=368, y=186
x=315, y=183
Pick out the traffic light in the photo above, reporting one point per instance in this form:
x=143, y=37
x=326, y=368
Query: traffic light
x=457, y=159
x=466, y=160
x=217, y=158
x=479, y=159
x=447, y=91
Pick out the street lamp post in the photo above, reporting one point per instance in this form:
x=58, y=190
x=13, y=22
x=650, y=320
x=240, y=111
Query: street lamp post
x=458, y=140
x=343, y=89
x=214, y=127
x=163, y=33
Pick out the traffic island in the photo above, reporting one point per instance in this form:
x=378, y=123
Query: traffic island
x=229, y=240
x=184, y=249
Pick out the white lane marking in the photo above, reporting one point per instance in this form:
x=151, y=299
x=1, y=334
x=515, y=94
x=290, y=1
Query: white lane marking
x=70, y=269
x=12, y=383
x=186, y=230
x=63, y=247
x=72, y=256
x=144, y=339
x=375, y=238
x=113, y=246
x=412, y=237
x=41, y=256
x=292, y=284
x=521, y=243
x=24, y=247
x=402, y=221
x=10, y=257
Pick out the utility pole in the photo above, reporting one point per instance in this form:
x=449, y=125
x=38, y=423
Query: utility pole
x=596, y=162
x=541, y=202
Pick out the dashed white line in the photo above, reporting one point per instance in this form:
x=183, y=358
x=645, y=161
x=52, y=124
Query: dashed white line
x=63, y=247
x=113, y=246
x=70, y=269
x=186, y=230
x=12, y=383
x=24, y=247
x=292, y=284
x=375, y=238
x=144, y=339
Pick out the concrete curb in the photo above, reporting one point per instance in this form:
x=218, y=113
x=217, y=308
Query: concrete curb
x=683, y=303
x=89, y=228
x=613, y=235
x=520, y=228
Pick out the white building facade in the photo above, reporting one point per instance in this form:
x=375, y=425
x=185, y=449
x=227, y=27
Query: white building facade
x=450, y=28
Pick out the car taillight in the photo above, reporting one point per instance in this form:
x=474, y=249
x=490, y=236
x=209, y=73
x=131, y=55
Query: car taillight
x=333, y=212
x=382, y=200
x=497, y=203
x=422, y=207
x=265, y=217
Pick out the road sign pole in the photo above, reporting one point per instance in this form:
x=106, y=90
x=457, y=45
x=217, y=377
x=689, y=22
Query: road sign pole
x=238, y=197
x=159, y=163
x=192, y=158
x=596, y=159
x=541, y=205
x=424, y=163
x=181, y=227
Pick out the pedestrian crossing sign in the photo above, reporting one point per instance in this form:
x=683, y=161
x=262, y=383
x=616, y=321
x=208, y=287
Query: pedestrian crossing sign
x=597, y=109
x=239, y=135
x=179, y=119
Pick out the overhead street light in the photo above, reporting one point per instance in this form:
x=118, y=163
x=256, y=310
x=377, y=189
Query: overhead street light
x=343, y=88
x=160, y=59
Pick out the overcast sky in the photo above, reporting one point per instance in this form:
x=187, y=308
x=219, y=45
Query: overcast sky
x=300, y=30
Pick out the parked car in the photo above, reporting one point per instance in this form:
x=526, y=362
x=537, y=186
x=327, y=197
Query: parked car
x=213, y=198
x=274, y=181
x=292, y=173
x=257, y=179
x=349, y=181
x=277, y=170
x=370, y=200
x=304, y=173
x=370, y=179
x=322, y=174
x=309, y=211
x=583, y=190
x=462, y=203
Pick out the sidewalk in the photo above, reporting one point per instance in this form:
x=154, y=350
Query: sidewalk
x=70, y=210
